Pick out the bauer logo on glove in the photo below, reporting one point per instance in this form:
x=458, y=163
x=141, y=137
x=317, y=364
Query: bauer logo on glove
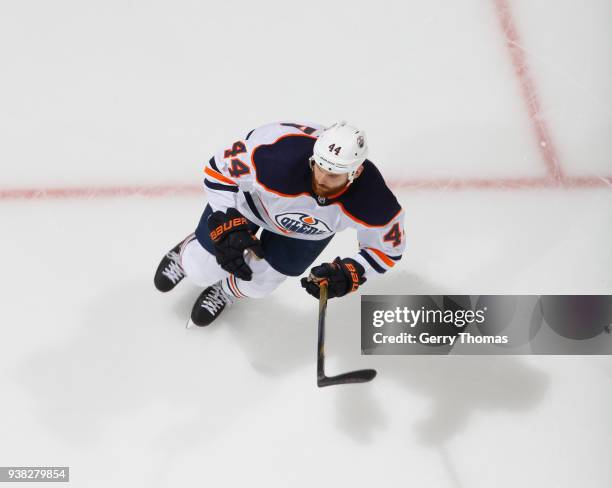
x=343, y=276
x=231, y=237
x=216, y=233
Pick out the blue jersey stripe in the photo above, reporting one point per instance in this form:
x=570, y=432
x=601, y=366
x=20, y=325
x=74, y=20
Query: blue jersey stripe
x=251, y=204
x=218, y=186
x=213, y=165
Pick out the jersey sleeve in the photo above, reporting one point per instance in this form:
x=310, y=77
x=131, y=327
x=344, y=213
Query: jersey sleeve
x=380, y=248
x=226, y=173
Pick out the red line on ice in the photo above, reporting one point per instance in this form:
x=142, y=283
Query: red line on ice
x=95, y=192
x=567, y=183
x=98, y=192
x=530, y=94
x=555, y=179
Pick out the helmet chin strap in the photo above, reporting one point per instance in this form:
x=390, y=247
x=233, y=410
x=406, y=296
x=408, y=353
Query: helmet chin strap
x=353, y=174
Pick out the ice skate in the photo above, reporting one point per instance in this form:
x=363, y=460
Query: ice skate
x=209, y=306
x=169, y=272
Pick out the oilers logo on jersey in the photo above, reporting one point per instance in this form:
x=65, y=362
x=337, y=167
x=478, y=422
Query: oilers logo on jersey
x=302, y=223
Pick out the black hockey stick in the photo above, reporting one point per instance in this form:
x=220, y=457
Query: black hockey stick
x=360, y=376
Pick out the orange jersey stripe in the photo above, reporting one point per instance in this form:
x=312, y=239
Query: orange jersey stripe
x=355, y=219
x=344, y=210
x=336, y=195
x=385, y=259
x=219, y=176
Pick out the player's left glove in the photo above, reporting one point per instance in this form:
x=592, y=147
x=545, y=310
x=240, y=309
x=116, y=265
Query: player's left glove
x=343, y=276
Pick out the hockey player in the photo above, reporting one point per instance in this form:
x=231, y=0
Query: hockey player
x=275, y=200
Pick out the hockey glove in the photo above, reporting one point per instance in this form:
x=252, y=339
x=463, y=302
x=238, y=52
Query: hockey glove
x=231, y=236
x=343, y=276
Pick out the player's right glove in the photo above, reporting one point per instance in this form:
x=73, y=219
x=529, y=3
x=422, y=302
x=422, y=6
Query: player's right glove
x=342, y=275
x=231, y=236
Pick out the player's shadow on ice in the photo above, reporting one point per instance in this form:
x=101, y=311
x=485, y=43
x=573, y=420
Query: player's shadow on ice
x=454, y=388
x=132, y=361
x=132, y=352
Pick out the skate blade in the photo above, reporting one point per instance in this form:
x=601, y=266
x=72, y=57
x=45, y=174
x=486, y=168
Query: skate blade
x=191, y=325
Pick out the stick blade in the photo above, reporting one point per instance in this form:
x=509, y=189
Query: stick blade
x=360, y=376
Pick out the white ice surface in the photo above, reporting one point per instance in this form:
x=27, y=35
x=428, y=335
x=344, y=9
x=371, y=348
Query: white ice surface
x=96, y=368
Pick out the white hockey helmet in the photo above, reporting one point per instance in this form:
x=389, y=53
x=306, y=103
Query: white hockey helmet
x=341, y=149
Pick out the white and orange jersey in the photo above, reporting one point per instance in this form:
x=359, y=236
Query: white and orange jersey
x=267, y=177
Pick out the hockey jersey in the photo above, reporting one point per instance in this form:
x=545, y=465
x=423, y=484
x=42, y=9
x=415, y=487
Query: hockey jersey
x=267, y=177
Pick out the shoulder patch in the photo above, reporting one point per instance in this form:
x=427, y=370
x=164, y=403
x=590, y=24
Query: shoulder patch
x=369, y=199
x=282, y=166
